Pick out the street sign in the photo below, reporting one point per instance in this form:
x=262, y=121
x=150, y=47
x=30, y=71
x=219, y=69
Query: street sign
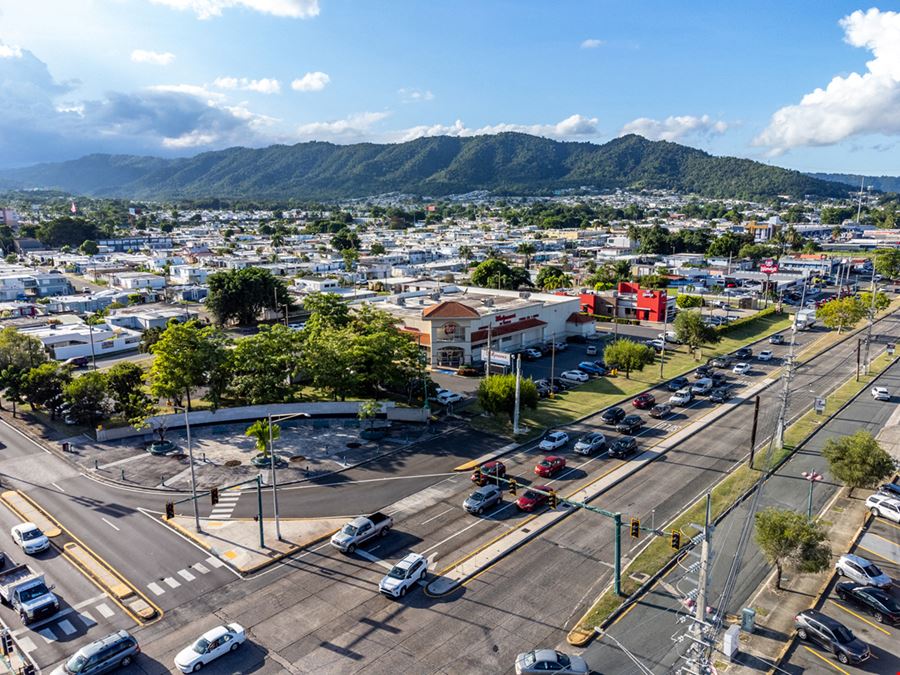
x=768, y=266
x=819, y=406
x=497, y=358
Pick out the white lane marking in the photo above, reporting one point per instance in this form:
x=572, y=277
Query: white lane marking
x=110, y=524
x=66, y=627
x=200, y=567
x=229, y=497
x=156, y=588
x=374, y=558
x=104, y=610
x=425, y=522
x=187, y=576
x=214, y=561
x=61, y=490
x=26, y=644
x=220, y=513
x=171, y=583
x=87, y=619
x=47, y=634
x=89, y=601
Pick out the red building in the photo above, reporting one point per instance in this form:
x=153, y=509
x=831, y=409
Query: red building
x=629, y=301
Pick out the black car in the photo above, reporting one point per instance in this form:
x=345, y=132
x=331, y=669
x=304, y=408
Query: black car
x=777, y=339
x=720, y=362
x=623, y=447
x=560, y=384
x=703, y=371
x=832, y=635
x=720, y=395
x=613, y=415
x=877, y=602
x=600, y=363
x=743, y=353
x=718, y=377
x=677, y=383
x=630, y=424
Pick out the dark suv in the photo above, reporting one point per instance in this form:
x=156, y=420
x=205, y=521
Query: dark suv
x=743, y=353
x=101, y=656
x=630, y=424
x=613, y=415
x=623, y=446
x=832, y=635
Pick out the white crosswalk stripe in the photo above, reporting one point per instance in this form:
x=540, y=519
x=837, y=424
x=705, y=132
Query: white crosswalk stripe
x=187, y=576
x=171, y=583
x=27, y=644
x=200, y=567
x=214, y=561
x=66, y=627
x=156, y=588
x=87, y=619
x=104, y=610
x=225, y=507
x=48, y=635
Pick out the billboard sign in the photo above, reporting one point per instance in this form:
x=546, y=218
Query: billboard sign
x=768, y=266
x=497, y=358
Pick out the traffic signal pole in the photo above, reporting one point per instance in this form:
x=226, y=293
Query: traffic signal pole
x=617, y=565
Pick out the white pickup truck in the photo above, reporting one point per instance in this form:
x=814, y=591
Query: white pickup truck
x=27, y=592
x=360, y=530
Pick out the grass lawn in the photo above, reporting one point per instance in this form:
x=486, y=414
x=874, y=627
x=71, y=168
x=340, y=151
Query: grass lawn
x=652, y=558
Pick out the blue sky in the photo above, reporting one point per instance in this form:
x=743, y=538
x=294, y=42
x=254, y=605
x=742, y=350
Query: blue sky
x=808, y=85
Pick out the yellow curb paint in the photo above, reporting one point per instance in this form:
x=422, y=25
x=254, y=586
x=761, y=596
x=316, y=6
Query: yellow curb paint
x=819, y=656
x=863, y=619
x=9, y=496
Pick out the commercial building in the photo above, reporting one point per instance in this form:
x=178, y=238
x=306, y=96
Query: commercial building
x=809, y=264
x=66, y=341
x=630, y=301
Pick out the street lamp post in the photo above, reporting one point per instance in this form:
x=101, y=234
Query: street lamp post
x=187, y=424
x=812, y=477
x=273, y=462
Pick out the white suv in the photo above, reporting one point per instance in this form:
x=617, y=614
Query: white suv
x=881, y=394
x=403, y=575
x=861, y=571
x=884, y=506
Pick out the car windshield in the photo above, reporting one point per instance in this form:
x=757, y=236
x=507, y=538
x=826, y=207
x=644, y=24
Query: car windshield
x=27, y=535
x=872, y=571
x=563, y=660
x=546, y=462
x=530, y=658
x=348, y=529
x=397, y=573
x=476, y=497
x=842, y=634
x=201, y=645
x=29, y=594
x=75, y=664
x=532, y=495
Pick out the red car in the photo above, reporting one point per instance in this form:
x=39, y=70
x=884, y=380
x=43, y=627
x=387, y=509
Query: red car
x=488, y=471
x=531, y=499
x=549, y=466
x=644, y=401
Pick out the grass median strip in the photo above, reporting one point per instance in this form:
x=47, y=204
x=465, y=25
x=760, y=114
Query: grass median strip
x=724, y=494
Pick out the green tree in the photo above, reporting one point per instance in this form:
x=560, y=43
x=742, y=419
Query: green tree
x=788, y=540
x=377, y=248
x=123, y=380
x=67, y=230
x=43, y=385
x=263, y=365
x=149, y=338
x=887, y=262
x=527, y=249
x=240, y=295
x=87, y=397
x=690, y=330
x=841, y=313
x=497, y=394
x=628, y=355
x=551, y=277
x=259, y=432
x=187, y=356
x=882, y=301
x=326, y=309
x=368, y=411
x=684, y=301
x=351, y=257
x=344, y=239
x=495, y=273
x=858, y=460
x=727, y=244
x=89, y=247
x=19, y=353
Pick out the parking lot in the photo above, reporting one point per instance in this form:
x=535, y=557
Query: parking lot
x=879, y=544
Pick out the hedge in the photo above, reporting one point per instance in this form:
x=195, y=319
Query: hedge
x=723, y=330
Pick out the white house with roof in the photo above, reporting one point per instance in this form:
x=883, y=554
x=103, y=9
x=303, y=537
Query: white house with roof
x=66, y=341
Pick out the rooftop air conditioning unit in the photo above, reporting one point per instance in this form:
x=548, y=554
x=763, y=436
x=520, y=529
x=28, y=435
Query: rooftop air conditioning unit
x=524, y=295
x=488, y=302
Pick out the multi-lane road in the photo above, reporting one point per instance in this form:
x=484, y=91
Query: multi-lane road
x=320, y=610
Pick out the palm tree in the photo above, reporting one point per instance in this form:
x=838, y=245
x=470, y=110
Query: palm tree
x=259, y=431
x=277, y=240
x=622, y=270
x=527, y=249
x=466, y=253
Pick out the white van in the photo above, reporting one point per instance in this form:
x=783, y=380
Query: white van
x=702, y=386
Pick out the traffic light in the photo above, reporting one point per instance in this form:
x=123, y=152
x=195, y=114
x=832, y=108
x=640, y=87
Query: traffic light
x=676, y=539
x=170, y=510
x=513, y=486
x=28, y=669
x=7, y=642
x=635, y=528
x=214, y=495
x=552, y=499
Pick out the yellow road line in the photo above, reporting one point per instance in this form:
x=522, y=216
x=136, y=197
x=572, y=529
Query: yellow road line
x=828, y=661
x=864, y=620
x=878, y=536
x=868, y=550
x=887, y=522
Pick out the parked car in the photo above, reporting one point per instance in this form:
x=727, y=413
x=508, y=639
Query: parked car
x=590, y=443
x=554, y=440
x=702, y=386
x=531, y=499
x=591, y=350
x=541, y=661
x=574, y=376
x=860, y=570
x=561, y=346
x=210, y=646
x=890, y=489
x=876, y=601
x=720, y=362
x=102, y=656
x=630, y=424
x=884, y=506
x=777, y=339
x=29, y=538
x=677, y=383
x=881, y=394
x=483, y=498
x=448, y=397
x=590, y=368
x=532, y=354
x=613, y=415
x=562, y=384
x=77, y=361
x=681, y=397
x=831, y=634
x=660, y=410
x=623, y=447
x=549, y=466
x=720, y=394
x=669, y=336
x=488, y=472
x=404, y=575
x=765, y=355
x=743, y=353
x=657, y=344
x=644, y=401
x=741, y=368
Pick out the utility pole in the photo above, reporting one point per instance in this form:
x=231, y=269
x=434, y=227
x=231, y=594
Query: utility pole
x=786, y=382
x=487, y=367
x=552, y=363
x=753, y=430
x=518, y=394
x=871, y=321
x=705, y=556
x=662, y=353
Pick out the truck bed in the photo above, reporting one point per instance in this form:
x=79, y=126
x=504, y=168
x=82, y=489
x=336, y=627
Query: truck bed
x=13, y=576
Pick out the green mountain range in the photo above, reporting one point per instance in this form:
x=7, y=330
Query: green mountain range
x=508, y=163
x=880, y=183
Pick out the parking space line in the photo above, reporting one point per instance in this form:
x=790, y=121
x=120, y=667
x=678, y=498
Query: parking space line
x=156, y=588
x=887, y=522
x=864, y=620
x=819, y=656
x=104, y=610
x=878, y=536
x=868, y=550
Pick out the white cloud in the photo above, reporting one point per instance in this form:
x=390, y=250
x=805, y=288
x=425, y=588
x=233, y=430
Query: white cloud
x=10, y=52
x=314, y=81
x=851, y=105
x=674, y=128
x=205, y=9
x=153, y=58
x=191, y=89
x=353, y=127
x=572, y=126
x=415, y=95
x=262, y=86
x=592, y=43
